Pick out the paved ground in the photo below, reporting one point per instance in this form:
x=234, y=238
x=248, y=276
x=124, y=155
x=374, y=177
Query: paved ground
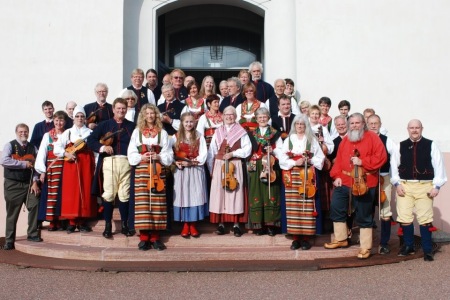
x=413, y=279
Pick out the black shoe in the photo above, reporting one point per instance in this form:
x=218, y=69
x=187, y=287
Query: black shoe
x=271, y=231
x=9, y=246
x=384, y=250
x=131, y=232
x=144, y=245
x=220, y=230
x=34, y=239
x=260, y=232
x=71, y=229
x=158, y=245
x=85, y=228
x=406, y=250
x=305, y=245
x=53, y=228
x=237, y=231
x=428, y=257
x=295, y=245
x=108, y=230
x=125, y=231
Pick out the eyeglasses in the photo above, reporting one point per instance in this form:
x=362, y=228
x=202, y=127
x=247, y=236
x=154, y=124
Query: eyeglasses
x=177, y=77
x=228, y=115
x=247, y=92
x=102, y=92
x=129, y=99
x=79, y=116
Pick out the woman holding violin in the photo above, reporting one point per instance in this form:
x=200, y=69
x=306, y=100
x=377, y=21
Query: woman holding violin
x=211, y=120
x=264, y=176
x=77, y=204
x=150, y=153
x=50, y=168
x=190, y=203
x=301, y=155
x=230, y=145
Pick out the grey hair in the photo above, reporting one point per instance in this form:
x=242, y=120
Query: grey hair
x=253, y=64
x=308, y=131
x=129, y=93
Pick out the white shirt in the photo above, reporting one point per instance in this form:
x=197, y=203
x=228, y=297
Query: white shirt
x=166, y=154
x=298, y=148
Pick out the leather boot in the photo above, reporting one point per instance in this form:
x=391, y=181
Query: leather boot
x=185, y=231
x=125, y=229
x=194, y=232
x=365, y=242
x=340, y=236
x=108, y=230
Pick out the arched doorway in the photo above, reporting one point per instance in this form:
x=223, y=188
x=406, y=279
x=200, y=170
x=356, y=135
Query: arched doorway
x=209, y=39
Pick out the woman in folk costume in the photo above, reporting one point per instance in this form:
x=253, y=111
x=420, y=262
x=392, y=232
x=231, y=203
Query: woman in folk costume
x=229, y=148
x=50, y=167
x=194, y=102
x=246, y=110
x=301, y=153
x=78, y=170
x=150, y=152
x=190, y=203
x=211, y=120
x=264, y=176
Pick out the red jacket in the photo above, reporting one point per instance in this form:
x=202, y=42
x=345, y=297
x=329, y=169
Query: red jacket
x=372, y=153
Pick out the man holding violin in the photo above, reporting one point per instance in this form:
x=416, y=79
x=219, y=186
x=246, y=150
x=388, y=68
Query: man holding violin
x=99, y=110
x=355, y=173
x=110, y=139
x=21, y=185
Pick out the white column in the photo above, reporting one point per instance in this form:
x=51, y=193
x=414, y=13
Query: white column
x=279, y=40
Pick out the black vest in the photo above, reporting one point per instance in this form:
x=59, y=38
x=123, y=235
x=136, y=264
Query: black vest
x=22, y=175
x=386, y=167
x=415, y=160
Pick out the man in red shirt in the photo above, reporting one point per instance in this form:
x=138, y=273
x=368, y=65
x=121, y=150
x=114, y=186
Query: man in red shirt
x=362, y=152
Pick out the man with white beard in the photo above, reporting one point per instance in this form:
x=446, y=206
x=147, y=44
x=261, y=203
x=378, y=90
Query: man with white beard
x=355, y=177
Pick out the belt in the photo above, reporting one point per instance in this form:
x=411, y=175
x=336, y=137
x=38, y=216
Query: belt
x=416, y=181
x=116, y=157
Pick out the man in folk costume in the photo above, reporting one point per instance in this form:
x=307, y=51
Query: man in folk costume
x=110, y=139
x=418, y=178
x=383, y=198
x=282, y=121
x=20, y=185
x=144, y=94
x=361, y=154
x=234, y=97
x=44, y=126
x=229, y=146
x=264, y=90
x=99, y=110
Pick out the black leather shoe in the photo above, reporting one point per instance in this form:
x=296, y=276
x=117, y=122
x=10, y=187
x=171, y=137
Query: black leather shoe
x=108, y=230
x=271, y=231
x=85, y=228
x=428, y=257
x=8, y=246
x=384, y=250
x=220, y=230
x=34, y=239
x=144, y=245
x=237, y=231
x=125, y=231
x=71, y=229
x=131, y=232
x=53, y=228
x=406, y=250
x=295, y=245
x=305, y=245
x=260, y=232
x=158, y=245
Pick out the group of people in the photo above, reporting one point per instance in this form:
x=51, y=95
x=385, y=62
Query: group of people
x=249, y=154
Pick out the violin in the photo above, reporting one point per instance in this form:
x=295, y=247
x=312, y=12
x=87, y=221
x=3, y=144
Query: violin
x=229, y=182
x=321, y=143
x=307, y=187
x=268, y=171
x=92, y=118
x=358, y=174
x=26, y=157
x=78, y=145
x=183, y=156
x=155, y=183
x=108, y=138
